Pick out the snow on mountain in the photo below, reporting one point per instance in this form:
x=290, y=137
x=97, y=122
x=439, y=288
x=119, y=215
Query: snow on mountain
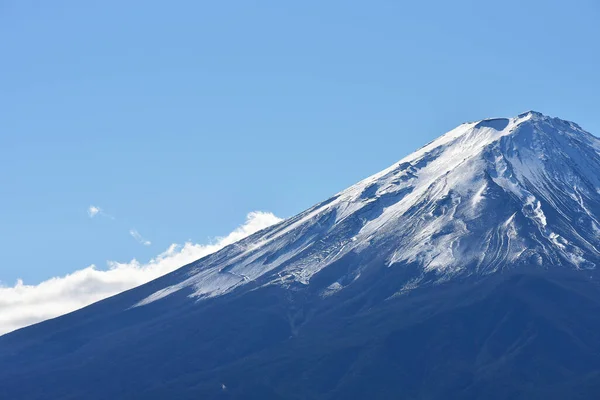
x=493, y=194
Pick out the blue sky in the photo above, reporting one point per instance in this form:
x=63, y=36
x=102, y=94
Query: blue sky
x=179, y=118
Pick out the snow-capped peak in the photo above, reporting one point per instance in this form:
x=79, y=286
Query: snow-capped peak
x=491, y=194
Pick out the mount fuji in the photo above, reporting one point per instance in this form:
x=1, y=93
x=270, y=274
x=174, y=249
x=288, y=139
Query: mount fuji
x=468, y=269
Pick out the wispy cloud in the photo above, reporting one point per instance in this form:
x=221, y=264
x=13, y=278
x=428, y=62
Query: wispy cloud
x=23, y=304
x=95, y=211
x=136, y=235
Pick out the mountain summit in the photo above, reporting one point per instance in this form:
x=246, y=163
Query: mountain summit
x=466, y=270
x=487, y=195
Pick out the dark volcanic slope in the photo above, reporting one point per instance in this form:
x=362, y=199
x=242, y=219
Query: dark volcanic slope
x=467, y=271
x=514, y=335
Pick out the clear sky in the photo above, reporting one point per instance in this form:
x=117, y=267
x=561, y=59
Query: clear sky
x=178, y=118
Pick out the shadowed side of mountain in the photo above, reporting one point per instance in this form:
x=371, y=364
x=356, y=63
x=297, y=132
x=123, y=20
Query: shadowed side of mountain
x=514, y=335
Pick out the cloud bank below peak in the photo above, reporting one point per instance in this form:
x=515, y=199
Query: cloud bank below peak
x=23, y=305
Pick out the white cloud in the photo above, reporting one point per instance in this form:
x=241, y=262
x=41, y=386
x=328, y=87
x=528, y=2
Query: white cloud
x=136, y=235
x=24, y=305
x=93, y=211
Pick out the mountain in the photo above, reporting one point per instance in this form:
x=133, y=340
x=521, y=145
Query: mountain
x=466, y=270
